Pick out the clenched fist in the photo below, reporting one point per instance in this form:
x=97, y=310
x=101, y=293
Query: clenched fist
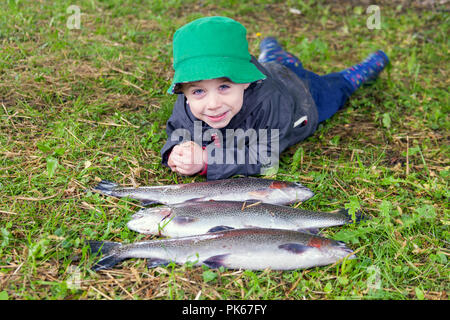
x=187, y=158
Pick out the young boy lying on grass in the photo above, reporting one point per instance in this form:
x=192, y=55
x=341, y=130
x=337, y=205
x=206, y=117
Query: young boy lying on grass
x=235, y=114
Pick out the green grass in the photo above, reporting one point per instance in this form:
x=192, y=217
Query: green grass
x=77, y=106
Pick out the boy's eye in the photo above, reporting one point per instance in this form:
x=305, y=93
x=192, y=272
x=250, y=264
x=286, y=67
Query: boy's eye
x=197, y=92
x=224, y=87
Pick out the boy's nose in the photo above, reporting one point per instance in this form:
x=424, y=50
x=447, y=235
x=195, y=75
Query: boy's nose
x=214, y=102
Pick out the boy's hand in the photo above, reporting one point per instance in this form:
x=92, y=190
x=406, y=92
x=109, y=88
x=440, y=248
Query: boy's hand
x=187, y=158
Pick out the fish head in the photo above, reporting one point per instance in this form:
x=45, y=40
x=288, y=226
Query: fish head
x=341, y=251
x=284, y=192
x=335, y=250
x=317, y=251
x=150, y=220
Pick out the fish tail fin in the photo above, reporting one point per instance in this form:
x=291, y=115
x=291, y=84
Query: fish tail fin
x=106, y=249
x=106, y=186
x=102, y=247
x=358, y=215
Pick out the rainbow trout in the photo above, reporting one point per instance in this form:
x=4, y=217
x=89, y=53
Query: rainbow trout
x=239, y=189
x=194, y=217
x=253, y=249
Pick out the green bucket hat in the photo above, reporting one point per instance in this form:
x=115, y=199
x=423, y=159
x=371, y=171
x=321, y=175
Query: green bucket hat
x=212, y=47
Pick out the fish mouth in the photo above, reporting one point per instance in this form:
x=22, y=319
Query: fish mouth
x=135, y=225
x=303, y=193
x=138, y=215
x=349, y=253
x=298, y=185
x=146, y=212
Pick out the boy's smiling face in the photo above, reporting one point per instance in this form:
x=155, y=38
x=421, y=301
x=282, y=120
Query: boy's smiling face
x=215, y=101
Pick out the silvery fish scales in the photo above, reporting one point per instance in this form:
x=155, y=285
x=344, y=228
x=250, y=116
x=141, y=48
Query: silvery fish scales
x=239, y=189
x=252, y=248
x=194, y=217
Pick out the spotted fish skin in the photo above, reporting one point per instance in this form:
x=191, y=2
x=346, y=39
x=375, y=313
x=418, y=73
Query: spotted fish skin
x=194, y=217
x=238, y=189
x=250, y=248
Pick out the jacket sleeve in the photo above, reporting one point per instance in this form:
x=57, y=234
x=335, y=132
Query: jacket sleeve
x=177, y=131
x=256, y=149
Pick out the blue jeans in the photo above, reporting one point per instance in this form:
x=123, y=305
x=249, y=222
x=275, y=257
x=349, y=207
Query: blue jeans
x=330, y=92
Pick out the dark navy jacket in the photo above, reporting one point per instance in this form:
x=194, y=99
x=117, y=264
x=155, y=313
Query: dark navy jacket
x=277, y=112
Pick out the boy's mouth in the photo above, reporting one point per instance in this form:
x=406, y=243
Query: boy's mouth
x=218, y=117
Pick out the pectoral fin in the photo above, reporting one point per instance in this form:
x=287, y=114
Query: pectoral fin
x=147, y=202
x=155, y=262
x=219, y=228
x=296, y=248
x=216, y=261
x=313, y=231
